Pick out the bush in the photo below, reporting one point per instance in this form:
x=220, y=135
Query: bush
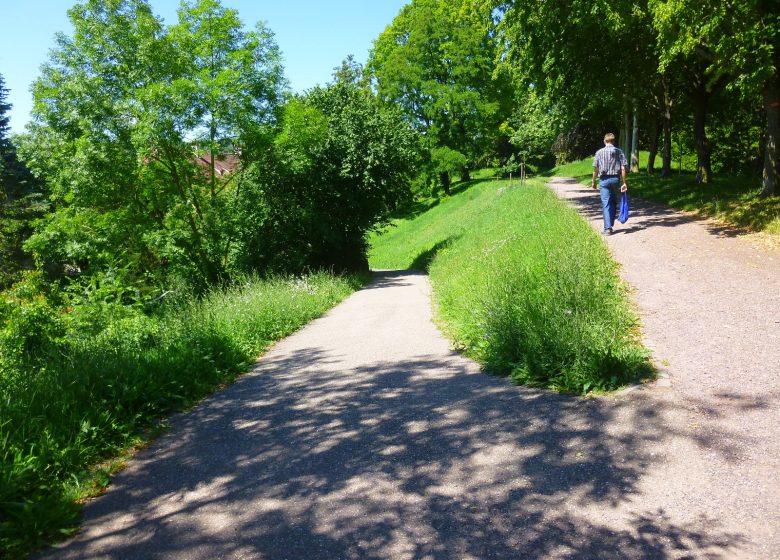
x=340, y=165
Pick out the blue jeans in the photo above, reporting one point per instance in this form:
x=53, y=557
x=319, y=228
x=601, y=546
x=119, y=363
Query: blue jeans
x=610, y=194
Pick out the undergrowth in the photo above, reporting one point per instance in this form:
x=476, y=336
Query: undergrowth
x=78, y=386
x=523, y=285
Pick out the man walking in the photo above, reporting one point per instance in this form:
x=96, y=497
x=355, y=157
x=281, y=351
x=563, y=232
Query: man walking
x=609, y=166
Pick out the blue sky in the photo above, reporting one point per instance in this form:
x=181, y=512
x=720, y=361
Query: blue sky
x=313, y=35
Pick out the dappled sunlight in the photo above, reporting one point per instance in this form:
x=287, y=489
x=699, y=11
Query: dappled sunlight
x=465, y=464
x=320, y=453
x=735, y=200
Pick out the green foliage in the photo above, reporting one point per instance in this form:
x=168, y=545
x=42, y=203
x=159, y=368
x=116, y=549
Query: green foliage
x=665, y=60
x=533, y=127
x=20, y=201
x=437, y=62
x=585, y=57
x=524, y=286
x=117, y=109
x=580, y=141
x=734, y=43
x=5, y=119
x=578, y=66
x=78, y=383
x=340, y=164
x=738, y=40
x=447, y=160
x=735, y=130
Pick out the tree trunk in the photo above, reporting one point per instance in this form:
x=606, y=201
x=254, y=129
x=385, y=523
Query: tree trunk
x=635, y=143
x=701, y=99
x=465, y=174
x=666, y=154
x=655, y=132
x=212, y=137
x=771, y=163
x=445, y=182
x=625, y=141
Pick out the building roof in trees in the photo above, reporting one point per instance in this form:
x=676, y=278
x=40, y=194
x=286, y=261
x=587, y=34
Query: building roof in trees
x=224, y=164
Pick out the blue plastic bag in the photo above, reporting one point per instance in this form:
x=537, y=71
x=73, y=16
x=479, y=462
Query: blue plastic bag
x=623, y=214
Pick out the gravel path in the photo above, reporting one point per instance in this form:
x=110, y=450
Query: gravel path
x=364, y=437
x=710, y=305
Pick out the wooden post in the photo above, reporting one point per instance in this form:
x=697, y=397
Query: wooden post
x=625, y=141
x=635, y=143
x=679, y=147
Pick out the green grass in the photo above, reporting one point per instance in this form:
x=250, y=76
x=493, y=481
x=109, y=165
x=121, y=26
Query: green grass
x=733, y=200
x=70, y=401
x=523, y=285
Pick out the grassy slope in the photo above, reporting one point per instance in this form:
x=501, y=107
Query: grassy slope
x=99, y=392
x=523, y=285
x=730, y=199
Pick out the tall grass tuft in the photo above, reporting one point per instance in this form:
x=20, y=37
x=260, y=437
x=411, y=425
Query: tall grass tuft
x=525, y=286
x=77, y=396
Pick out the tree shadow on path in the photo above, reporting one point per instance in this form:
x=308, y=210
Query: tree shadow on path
x=588, y=204
x=421, y=459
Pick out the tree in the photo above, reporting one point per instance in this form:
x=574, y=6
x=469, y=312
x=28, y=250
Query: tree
x=225, y=94
x=533, y=128
x=124, y=111
x=735, y=42
x=20, y=202
x=340, y=164
x=444, y=162
x=591, y=61
x=5, y=127
x=550, y=44
x=437, y=62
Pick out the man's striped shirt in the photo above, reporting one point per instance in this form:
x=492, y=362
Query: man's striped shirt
x=609, y=160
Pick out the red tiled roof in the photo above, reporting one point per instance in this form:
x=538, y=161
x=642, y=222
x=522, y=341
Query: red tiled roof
x=223, y=165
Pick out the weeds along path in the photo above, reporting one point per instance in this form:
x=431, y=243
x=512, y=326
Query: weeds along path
x=363, y=436
x=709, y=299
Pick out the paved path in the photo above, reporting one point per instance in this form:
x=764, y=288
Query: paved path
x=710, y=306
x=364, y=437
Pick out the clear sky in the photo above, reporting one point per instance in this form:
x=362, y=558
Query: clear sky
x=313, y=35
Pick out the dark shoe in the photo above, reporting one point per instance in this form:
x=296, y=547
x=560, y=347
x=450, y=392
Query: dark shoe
x=607, y=232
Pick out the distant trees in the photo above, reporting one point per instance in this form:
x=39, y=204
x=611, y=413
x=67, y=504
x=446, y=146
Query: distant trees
x=20, y=201
x=437, y=61
x=652, y=63
x=587, y=62
x=134, y=121
x=5, y=142
x=732, y=42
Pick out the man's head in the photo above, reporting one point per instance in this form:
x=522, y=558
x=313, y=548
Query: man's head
x=609, y=138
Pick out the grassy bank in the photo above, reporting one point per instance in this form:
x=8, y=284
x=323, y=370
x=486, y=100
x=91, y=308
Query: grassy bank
x=73, y=393
x=730, y=199
x=523, y=285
